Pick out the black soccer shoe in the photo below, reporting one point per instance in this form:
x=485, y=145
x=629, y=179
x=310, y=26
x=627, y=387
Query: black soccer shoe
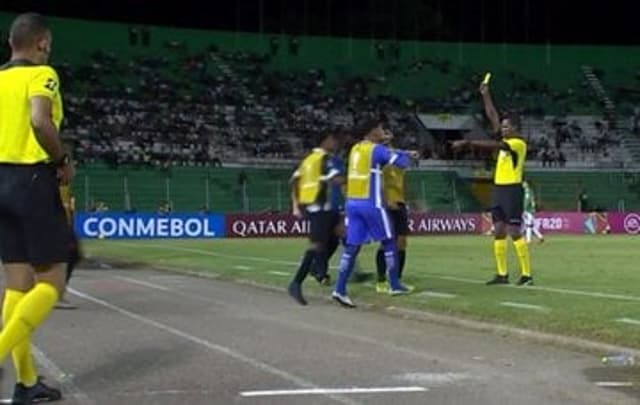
x=295, y=291
x=525, y=280
x=40, y=392
x=498, y=279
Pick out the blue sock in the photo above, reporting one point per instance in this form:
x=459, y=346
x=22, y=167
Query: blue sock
x=347, y=261
x=391, y=260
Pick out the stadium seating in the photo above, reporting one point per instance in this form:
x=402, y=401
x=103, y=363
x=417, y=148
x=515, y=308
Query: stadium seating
x=165, y=115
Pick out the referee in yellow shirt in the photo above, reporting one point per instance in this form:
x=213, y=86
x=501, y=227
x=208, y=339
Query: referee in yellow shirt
x=507, y=197
x=34, y=235
x=393, y=186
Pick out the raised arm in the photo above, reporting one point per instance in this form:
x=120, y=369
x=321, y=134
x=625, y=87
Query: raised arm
x=489, y=108
x=480, y=144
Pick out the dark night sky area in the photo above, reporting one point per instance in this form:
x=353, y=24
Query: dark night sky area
x=522, y=21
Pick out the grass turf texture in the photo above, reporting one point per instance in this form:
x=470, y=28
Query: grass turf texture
x=583, y=283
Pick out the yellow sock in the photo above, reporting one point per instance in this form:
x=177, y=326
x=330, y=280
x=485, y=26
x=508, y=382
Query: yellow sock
x=28, y=314
x=522, y=251
x=500, y=253
x=22, y=360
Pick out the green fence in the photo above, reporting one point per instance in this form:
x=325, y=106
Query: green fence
x=261, y=190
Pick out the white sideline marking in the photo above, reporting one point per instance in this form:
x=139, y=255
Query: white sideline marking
x=325, y=391
x=595, y=294
x=142, y=283
x=629, y=321
x=243, y=268
x=70, y=389
x=279, y=273
x=435, y=294
x=523, y=306
x=460, y=279
x=433, y=378
x=257, y=364
x=614, y=384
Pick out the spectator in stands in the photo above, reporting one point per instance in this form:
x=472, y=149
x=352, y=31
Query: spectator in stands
x=562, y=159
x=294, y=45
x=274, y=45
x=583, y=200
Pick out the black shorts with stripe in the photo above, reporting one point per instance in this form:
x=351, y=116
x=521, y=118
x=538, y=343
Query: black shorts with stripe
x=507, y=204
x=400, y=218
x=33, y=225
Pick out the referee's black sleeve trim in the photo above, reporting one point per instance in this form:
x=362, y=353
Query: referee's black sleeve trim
x=507, y=148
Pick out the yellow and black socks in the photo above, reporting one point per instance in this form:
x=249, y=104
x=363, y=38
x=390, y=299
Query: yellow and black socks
x=500, y=253
x=29, y=313
x=522, y=250
x=22, y=360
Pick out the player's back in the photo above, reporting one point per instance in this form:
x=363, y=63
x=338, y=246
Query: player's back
x=19, y=81
x=364, y=182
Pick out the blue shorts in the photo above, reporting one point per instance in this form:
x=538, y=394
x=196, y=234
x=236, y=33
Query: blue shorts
x=366, y=224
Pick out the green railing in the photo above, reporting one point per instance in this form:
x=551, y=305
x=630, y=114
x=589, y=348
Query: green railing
x=260, y=190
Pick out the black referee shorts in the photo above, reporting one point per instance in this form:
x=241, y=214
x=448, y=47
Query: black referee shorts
x=507, y=204
x=33, y=226
x=400, y=218
x=323, y=225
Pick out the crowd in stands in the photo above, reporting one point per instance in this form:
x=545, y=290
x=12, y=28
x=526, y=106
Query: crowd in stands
x=214, y=106
x=147, y=112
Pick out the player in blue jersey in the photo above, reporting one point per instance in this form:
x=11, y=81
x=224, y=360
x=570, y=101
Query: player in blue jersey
x=366, y=217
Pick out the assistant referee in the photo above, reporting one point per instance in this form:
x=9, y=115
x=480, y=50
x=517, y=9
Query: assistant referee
x=34, y=235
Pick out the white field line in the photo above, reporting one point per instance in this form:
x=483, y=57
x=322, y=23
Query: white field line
x=70, y=389
x=257, y=364
x=325, y=391
x=521, y=305
x=279, y=273
x=142, y=283
x=565, y=291
x=435, y=294
x=614, y=384
x=629, y=321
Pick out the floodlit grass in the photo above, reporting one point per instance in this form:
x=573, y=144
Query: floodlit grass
x=583, y=283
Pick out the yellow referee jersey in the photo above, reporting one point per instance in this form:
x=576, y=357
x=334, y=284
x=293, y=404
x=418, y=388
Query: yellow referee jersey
x=510, y=163
x=20, y=80
x=393, y=185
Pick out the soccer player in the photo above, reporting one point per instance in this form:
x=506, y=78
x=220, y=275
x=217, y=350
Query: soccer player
x=393, y=186
x=507, y=196
x=69, y=204
x=529, y=215
x=366, y=218
x=311, y=199
x=34, y=235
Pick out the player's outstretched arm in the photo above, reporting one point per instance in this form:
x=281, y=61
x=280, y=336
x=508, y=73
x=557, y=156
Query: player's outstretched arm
x=479, y=143
x=489, y=108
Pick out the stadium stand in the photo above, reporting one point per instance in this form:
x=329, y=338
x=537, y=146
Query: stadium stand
x=152, y=121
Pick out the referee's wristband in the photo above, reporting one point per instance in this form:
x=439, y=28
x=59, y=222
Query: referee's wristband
x=63, y=161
